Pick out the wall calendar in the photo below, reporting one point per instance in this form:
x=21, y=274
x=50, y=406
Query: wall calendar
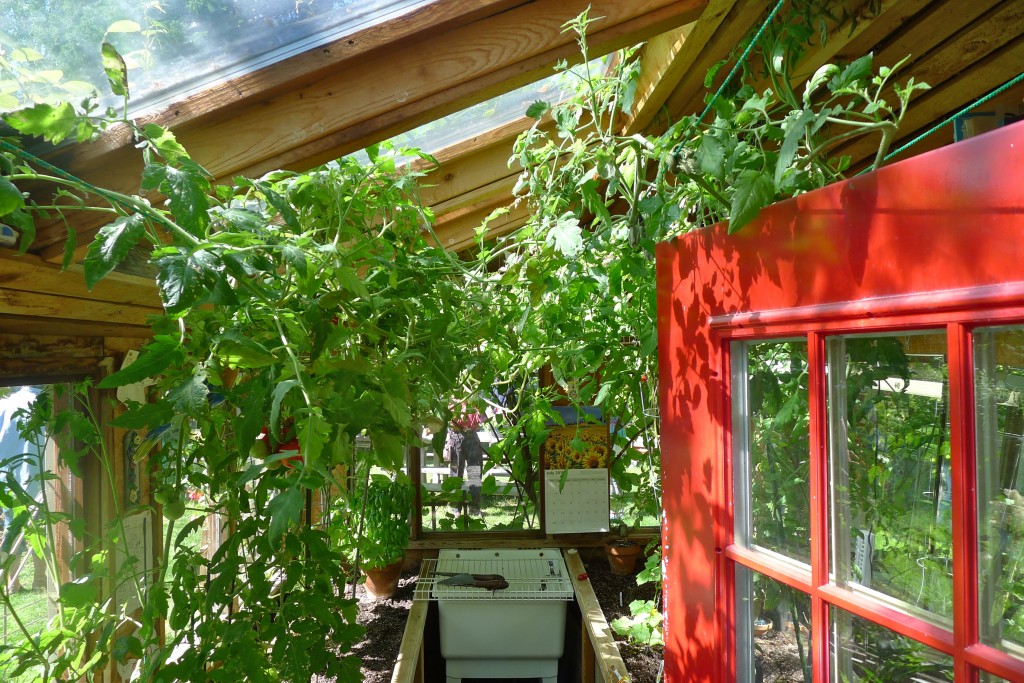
x=582, y=503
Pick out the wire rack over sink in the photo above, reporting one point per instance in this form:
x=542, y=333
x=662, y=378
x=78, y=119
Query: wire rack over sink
x=531, y=575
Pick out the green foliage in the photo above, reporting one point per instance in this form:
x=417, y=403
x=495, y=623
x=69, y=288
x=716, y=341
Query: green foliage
x=643, y=625
x=304, y=310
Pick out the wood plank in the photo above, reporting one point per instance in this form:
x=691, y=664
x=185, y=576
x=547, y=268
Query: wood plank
x=687, y=97
x=64, y=327
x=459, y=232
x=495, y=192
x=928, y=108
x=30, y=273
x=409, y=653
x=14, y=371
x=892, y=17
x=859, y=22
x=472, y=164
x=971, y=44
x=938, y=26
x=14, y=302
x=669, y=57
x=34, y=346
x=608, y=659
x=297, y=71
x=390, y=91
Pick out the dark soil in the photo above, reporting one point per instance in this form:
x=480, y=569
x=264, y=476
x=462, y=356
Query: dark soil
x=385, y=623
x=643, y=662
x=384, y=620
x=777, y=658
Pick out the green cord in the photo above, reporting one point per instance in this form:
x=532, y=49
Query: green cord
x=952, y=117
x=742, y=59
x=50, y=167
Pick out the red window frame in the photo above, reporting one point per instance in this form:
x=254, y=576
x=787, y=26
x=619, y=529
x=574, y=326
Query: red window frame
x=932, y=243
x=960, y=643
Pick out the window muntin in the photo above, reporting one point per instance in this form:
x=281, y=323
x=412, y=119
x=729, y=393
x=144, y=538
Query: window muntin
x=771, y=421
x=889, y=436
x=864, y=651
x=999, y=420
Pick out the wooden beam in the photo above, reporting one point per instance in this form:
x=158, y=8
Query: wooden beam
x=60, y=308
x=410, y=652
x=472, y=165
x=659, y=57
x=43, y=346
x=50, y=370
x=667, y=58
x=972, y=80
x=893, y=15
x=459, y=231
x=610, y=662
x=62, y=326
x=494, y=193
x=371, y=96
x=687, y=97
x=29, y=273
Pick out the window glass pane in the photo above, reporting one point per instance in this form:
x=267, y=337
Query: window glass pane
x=773, y=636
x=889, y=467
x=864, y=651
x=179, y=47
x=469, y=484
x=985, y=677
x=771, y=418
x=999, y=383
x=462, y=125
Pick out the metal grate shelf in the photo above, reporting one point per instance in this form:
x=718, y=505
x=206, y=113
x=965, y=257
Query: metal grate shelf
x=541, y=576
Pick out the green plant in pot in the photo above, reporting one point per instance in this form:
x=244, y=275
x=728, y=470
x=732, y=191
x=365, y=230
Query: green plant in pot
x=623, y=552
x=374, y=530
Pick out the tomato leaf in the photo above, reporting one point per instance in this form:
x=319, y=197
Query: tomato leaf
x=155, y=357
x=53, y=124
x=115, y=68
x=284, y=509
x=111, y=246
x=752, y=191
x=10, y=197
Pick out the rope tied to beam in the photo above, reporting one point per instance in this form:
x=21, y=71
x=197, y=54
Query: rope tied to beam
x=952, y=117
x=742, y=60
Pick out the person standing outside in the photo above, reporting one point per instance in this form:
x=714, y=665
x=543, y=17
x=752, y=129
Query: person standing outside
x=20, y=464
x=464, y=452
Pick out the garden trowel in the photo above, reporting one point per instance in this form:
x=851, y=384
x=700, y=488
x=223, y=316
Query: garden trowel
x=491, y=582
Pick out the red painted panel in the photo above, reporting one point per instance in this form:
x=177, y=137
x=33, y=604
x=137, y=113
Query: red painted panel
x=948, y=220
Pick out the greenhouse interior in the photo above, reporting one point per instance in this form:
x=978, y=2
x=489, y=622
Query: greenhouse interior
x=512, y=340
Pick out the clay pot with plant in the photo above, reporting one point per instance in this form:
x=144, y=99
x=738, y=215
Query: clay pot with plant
x=378, y=512
x=623, y=553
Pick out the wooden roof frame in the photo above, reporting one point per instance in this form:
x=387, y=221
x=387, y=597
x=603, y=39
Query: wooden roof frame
x=378, y=82
x=450, y=54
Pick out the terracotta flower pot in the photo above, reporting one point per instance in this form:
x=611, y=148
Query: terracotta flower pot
x=622, y=556
x=383, y=582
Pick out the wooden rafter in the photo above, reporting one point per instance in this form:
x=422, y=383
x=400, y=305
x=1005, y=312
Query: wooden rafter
x=357, y=100
x=667, y=58
x=977, y=60
x=687, y=96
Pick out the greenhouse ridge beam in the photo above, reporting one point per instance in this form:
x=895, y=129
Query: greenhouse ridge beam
x=327, y=113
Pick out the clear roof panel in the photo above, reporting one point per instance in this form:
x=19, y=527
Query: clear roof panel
x=488, y=115
x=172, y=47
